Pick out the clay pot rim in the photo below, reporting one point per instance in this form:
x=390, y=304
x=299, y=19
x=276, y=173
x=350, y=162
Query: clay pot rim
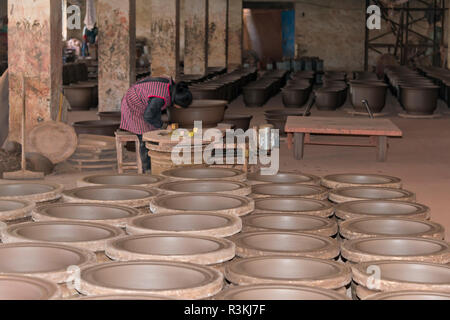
x=397, y=294
x=368, y=84
x=52, y=291
x=237, y=175
x=72, y=192
x=24, y=211
x=125, y=297
x=244, y=200
x=207, y=104
x=88, y=179
x=237, y=116
x=312, y=179
x=318, y=190
x=53, y=194
x=240, y=186
x=333, y=179
x=97, y=123
x=341, y=192
x=419, y=87
x=323, y=204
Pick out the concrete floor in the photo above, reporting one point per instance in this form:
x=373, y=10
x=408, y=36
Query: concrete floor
x=421, y=158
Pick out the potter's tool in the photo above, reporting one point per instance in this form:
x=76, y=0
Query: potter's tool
x=23, y=174
x=366, y=104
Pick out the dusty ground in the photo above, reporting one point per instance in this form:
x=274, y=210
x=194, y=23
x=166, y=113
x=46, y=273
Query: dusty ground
x=421, y=158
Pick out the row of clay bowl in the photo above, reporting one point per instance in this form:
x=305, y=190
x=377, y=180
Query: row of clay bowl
x=257, y=93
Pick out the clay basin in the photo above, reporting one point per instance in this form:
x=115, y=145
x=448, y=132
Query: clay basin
x=336, y=181
x=15, y=209
x=201, y=224
x=202, y=202
x=202, y=186
x=290, y=223
x=289, y=190
x=169, y=247
x=27, y=288
x=289, y=270
x=396, y=248
x=419, y=100
x=390, y=227
x=80, y=97
x=278, y=292
x=239, y=121
x=382, y=208
x=116, y=216
x=295, y=97
x=172, y=279
x=256, y=95
x=373, y=92
x=30, y=191
x=283, y=177
x=135, y=197
x=270, y=243
x=97, y=127
x=137, y=180
x=327, y=99
x=42, y=260
x=294, y=205
x=210, y=112
x=84, y=235
x=410, y=295
x=205, y=174
x=370, y=193
x=110, y=116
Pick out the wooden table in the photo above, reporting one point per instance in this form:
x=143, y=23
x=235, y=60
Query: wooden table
x=378, y=130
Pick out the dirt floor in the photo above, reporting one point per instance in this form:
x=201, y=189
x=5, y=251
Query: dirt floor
x=421, y=158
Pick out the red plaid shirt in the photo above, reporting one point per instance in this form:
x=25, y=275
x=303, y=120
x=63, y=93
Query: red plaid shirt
x=135, y=102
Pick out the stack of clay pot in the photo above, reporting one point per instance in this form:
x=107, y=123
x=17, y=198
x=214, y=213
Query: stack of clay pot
x=417, y=94
x=81, y=92
x=387, y=239
x=296, y=93
x=257, y=93
x=368, y=87
x=440, y=77
x=333, y=94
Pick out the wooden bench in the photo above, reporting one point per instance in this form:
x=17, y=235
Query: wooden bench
x=122, y=138
x=300, y=129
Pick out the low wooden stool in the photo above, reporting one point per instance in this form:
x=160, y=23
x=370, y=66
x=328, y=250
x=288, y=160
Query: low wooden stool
x=122, y=138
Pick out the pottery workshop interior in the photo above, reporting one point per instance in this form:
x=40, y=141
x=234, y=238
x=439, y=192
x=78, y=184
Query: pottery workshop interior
x=224, y=150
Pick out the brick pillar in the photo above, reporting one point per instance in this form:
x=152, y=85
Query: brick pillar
x=217, y=34
x=196, y=37
x=235, y=18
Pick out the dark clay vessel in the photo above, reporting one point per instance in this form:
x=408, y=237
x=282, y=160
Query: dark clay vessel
x=240, y=121
x=210, y=112
x=373, y=92
x=419, y=100
x=295, y=97
x=97, y=127
x=328, y=99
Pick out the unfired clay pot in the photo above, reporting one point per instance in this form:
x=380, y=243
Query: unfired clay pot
x=15, y=209
x=370, y=193
x=294, y=205
x=410, y=295
x=373, y=92
x=239, y=121
x=125, y=297
x=419, y=100
x=210, y=112
x=283, y=177
x=97, y=127
x=295, y=97
x=202, y=186
x=137, y=180
x=289, y=190
x=204, y=174
x=39, y=192
x=337, y=181
x=14, y=287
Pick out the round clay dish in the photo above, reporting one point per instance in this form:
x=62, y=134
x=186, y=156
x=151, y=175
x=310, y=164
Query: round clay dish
x=117, y=216
x=396, y=248
x=293, y=205
x=170, y=247
x=171, y=279
x=135, y=197
x=283, y=177
x=263, y=292
x=289, y=190
x=206, y=186
x=289, y=270
x=410, y=295
x=269, y=243
x=370, y=193
x=125, y=297
x=390, y=227
x=290, y=223
x=31, y=191
x=203, y=202
x=200, y=224
x=382, y=209
x=337, y=181
x=83, y=235
x=136, y=180
x=14, y=287
x=15, y=209
x=205, y=174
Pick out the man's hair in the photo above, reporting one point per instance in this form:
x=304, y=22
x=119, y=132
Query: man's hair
x=182, y=95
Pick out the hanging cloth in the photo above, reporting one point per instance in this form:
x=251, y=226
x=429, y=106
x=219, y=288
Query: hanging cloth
x=91, y=15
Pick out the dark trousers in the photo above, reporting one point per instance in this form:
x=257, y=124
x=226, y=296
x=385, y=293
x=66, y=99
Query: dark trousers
x=146, y=164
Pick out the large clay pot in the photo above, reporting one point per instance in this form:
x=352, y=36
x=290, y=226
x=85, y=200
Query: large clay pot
x=109, y=116
x=27, y=288
x=15, y=209
x=239, y=121
x=80, y=97
x=137, y=180
x=97, y=127
x=373, y=92
x=210, y=112
x=370, y=193
x=419, y=100
x=295, y=97
x=336, y=181
x=255, y=96
x=292, y=205
x=283, y=177
x=327, y=99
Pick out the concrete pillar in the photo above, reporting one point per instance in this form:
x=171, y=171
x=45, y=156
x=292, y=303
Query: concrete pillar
x=196, y=37
x=235, y=19
x=165, y=31
x=116, y=51
x=35, y=51
x=217, y=33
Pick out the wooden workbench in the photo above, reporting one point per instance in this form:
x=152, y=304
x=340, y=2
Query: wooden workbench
x=378, y=131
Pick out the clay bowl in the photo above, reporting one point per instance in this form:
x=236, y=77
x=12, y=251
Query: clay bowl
x=370, y=193
x=202, y=202
x=327, y=99
x=403, y=275
x=199, y=224
x=15, y=209
x=239, y=121
x=382, y=209
x=290, y=223
x=170, y=247
x=110, y=116
x=125, y=297
x=390, y=227
x=79, y=97
x=289, y=271
x=373, y=92
x=135, y=197
x=410, y=295
x=293, y=205
x=289, y=190
x=43, y=260
x=38, y=192
x=210, y=112
x=337, y=181
x=83, y=235
x=256, y=96
x=283, y=177
x=137, y=180
x=202, y=186
x=270, y=243
x=116, y=216
x=204, y=174
x=171, y=279
x=419, y=100
x=97, y=127
x=27, y=288
x=277, y=292
x=295, y=97
x=396, y=248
